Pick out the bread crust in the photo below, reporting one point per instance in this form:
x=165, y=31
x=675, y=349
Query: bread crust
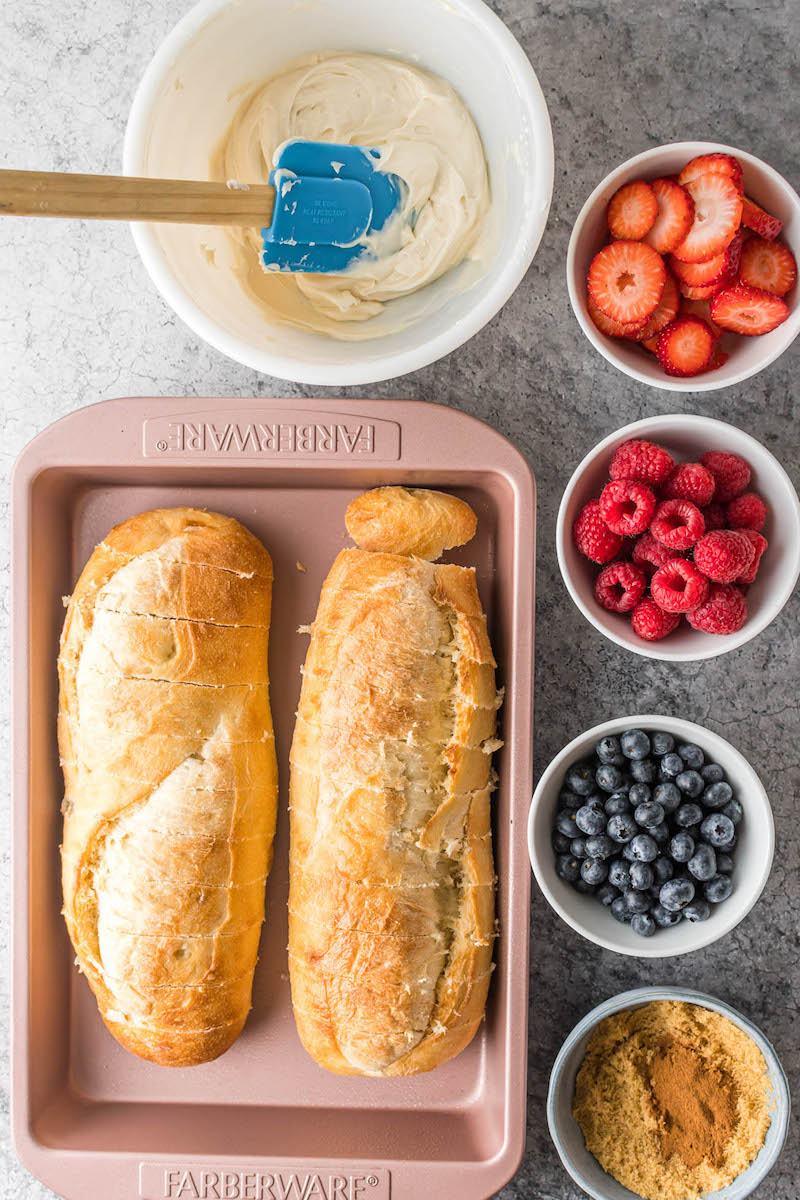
x=166, y=743
x=391, y=903
x=411, y=521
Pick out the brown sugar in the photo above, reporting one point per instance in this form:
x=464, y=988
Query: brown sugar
x=672, y=1099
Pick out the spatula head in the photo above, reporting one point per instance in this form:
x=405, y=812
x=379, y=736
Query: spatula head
x=329, y=199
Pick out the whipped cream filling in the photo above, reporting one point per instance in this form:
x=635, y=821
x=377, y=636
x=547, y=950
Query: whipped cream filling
x=426, y=136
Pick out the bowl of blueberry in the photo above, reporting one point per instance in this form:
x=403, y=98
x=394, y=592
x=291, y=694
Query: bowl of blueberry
x=651, y=836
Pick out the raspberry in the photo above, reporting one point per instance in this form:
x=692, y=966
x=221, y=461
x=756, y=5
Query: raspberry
x=746, y=512
x=731, y=473
x=678, y=586
x=690, y=481
x=759, y=544
x=644, y=462
x=626, y=506
x=620, y=586
x=715, y=517
x=725, y=610
x=651, y=622
x=678, y=524
x=650, y=554
x=593, y=537
x=724, y=555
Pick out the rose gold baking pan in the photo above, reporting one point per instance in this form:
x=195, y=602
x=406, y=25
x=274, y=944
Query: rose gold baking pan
x=263, y=1122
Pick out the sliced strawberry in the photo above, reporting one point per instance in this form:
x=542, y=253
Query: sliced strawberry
x=717, y=360
x=705, y=293
x=759, y=221
x=626, y=280
x=632, y=210
x=685, y=346
x=721, y=266
x=666, y=311
x=702, y=309
x=712, y=164
x=651, y=344
x=767, y=265
x=675, y=215
x=609, y=327
x=717, y=216
x=748, y=310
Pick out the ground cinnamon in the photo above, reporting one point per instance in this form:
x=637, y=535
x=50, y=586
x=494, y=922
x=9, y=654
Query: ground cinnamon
x=696, y=1103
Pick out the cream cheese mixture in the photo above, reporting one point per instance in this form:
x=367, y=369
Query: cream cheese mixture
x=426, y=136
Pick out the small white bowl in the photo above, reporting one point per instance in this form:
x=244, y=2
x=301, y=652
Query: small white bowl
x=194, y=85
x=566, y=1132
x=686, y=438
x=748, y=356
x=755, y=847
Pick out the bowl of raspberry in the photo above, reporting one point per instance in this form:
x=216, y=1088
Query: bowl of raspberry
x=651, y=836
x=682, y=266
x=678, y=537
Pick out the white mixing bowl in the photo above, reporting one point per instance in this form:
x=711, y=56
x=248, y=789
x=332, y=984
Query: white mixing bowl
x=192, y=89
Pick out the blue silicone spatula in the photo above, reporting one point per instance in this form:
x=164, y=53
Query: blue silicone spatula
x=322, y=203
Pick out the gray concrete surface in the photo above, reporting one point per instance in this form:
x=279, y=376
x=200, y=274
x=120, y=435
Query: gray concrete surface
x=80, y=321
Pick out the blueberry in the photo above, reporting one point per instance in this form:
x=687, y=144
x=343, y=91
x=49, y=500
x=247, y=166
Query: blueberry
x=643, y=770
x=648, y=815
x=718, y=889
x=580, y=779
x=675, y=894
x=597, y=799
x=620, y=911
x=663, y=869
x=643, y=924
x=590, y=819
x=724, y=863
x=717, y=795
x=635, y=743
x=690, y=783
x=600, y=846
x=712, y=773
x=664, y=918
x=640, y=793
x=698, y=910
x=671, y=765
x=616, y=804
x=577, y=847
x=692, y=755
x=607, y=750
x=703, y=863
x=627, y=853
x=660, y=833
x=686, y=815
x=662, y=742
x=594, y=871
x=586, y=889
x=561, y=843
x=607, y=894
x=642, y=876
x=637, y=902
x=654, y=892
x=717, y=830
x=608, y=777
x=733, y=811
x=727, y=846
x=570, y=800
x=567, y=867
x=681, y=847
x=622, y=827
x=693, y=832
x=643, y=848
x=668, y=796
x=619, y=874
x=565, y=823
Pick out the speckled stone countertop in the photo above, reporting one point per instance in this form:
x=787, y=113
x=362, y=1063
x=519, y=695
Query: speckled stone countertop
x=80, y=321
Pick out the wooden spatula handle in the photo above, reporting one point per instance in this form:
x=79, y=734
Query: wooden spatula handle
x=127, y=198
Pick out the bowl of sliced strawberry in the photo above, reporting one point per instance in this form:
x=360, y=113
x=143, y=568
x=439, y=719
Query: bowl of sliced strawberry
x=678, y=537
x=681, y=268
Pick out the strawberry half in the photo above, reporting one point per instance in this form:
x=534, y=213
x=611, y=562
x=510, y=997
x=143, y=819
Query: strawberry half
x=712, y=164
x=759, y=221
x=666, y=311
x=685, y=346
x=717, y=216
x=767, y=265
x=675, y=215
x=632, y=210
x=626, y=281
x=748, y=310
x=715, y=269
x=609, y=327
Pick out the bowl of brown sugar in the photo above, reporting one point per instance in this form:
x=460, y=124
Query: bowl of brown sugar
x=667, y=1094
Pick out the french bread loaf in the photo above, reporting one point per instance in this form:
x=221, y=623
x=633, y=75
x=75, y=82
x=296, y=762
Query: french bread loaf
x=391, y=904
x=166, y=743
